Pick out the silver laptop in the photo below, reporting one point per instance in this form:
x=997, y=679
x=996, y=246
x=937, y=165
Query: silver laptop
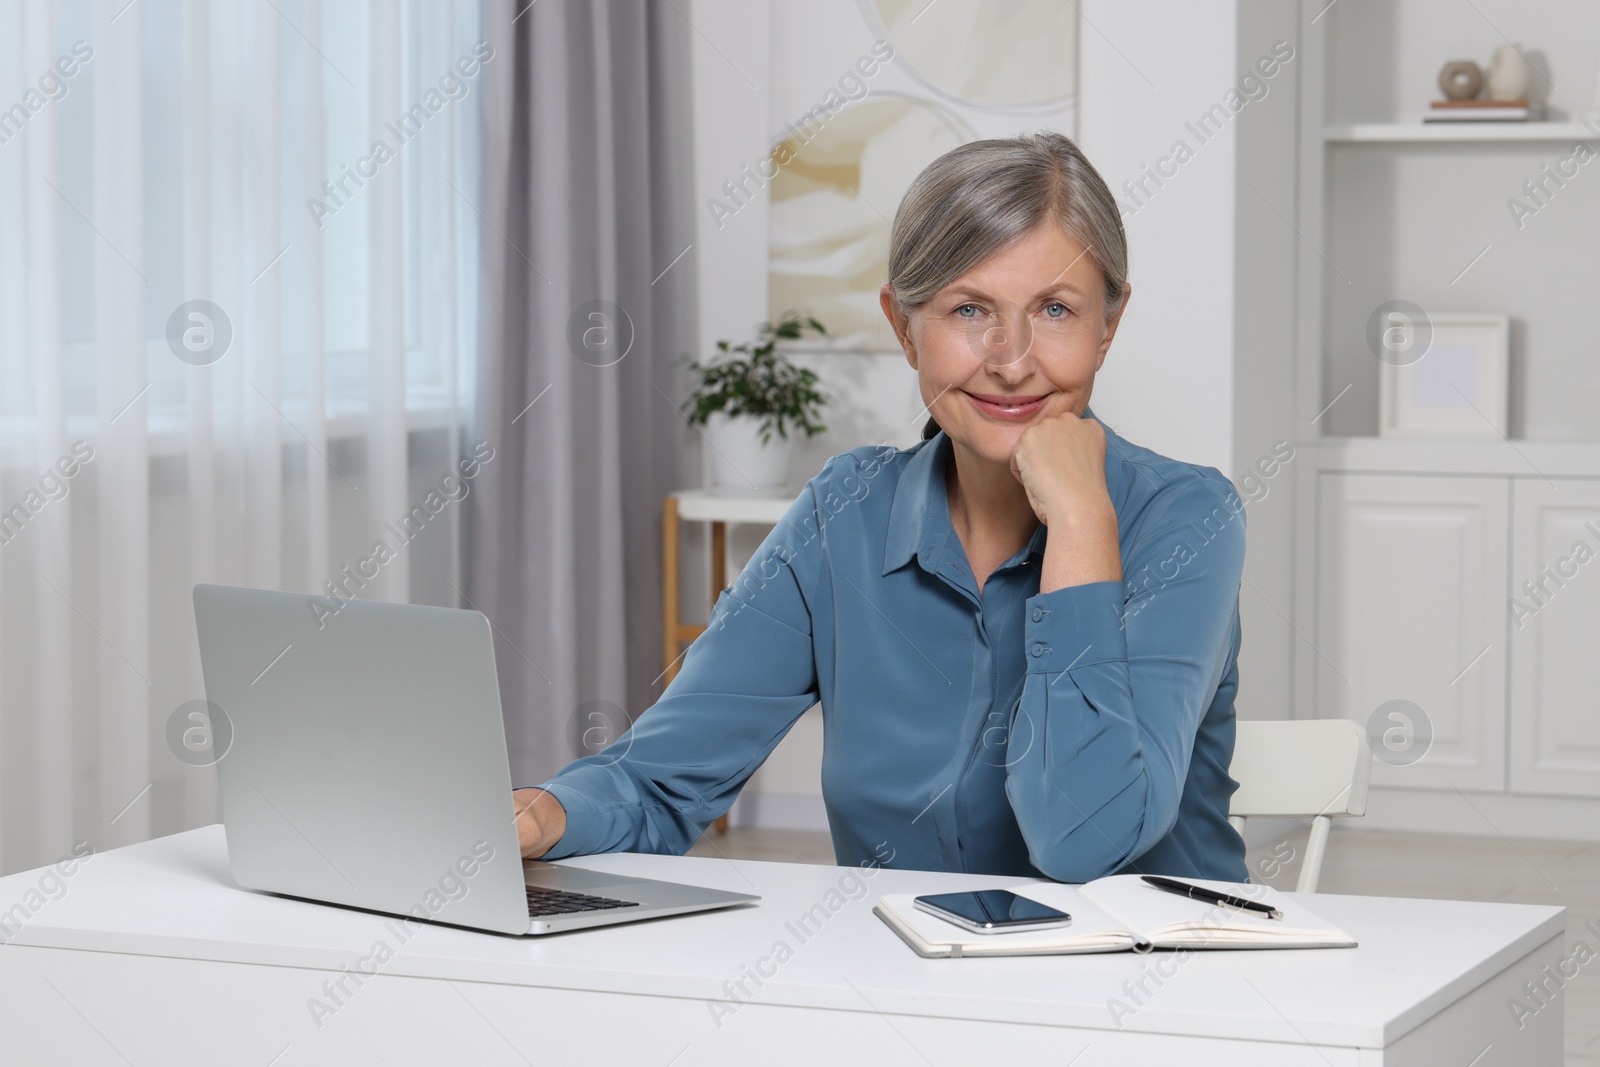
x=361, y=758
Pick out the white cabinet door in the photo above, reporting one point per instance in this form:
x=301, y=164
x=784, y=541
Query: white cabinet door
x=1554, y=632
x=1411, y=585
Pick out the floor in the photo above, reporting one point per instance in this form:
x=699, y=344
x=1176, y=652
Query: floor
x=1376, y=864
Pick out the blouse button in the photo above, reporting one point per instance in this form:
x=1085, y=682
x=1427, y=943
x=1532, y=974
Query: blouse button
x=1040, y=648
x=1037, y=615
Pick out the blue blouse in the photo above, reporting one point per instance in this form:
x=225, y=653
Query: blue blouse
x=1069, y=734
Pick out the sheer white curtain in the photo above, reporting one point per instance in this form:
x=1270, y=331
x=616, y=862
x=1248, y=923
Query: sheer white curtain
x=236, y=239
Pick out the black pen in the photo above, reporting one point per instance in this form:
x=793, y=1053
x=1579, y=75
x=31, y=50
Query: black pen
x=1210, y=896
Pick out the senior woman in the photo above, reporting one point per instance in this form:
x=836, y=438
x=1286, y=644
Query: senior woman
x=1023, y=630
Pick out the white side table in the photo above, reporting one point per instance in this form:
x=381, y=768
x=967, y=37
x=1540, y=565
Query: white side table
x=698, y=505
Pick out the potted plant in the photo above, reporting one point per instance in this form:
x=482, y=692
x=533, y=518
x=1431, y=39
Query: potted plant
x=748, y=400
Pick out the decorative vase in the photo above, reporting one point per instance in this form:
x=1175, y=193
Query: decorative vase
x=740, y=464
x=1508, y=73
x=1460, y=79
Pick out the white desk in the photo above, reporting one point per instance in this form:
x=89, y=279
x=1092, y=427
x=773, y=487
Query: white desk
x=152, y=955
x=718, y=509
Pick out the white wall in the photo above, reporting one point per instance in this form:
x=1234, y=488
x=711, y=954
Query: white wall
x=1168, y=382
x=731, y=87
x=733, y=91
x=1264, y=380
x=730, y=53
x=1202, y=368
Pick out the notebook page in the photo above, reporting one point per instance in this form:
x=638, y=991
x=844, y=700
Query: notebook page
x=1170, y=920
x=1092, y=929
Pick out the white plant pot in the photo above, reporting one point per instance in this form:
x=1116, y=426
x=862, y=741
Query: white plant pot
x=740, y=464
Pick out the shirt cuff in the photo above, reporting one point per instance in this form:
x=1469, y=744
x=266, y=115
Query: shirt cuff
x=586, y=824
x=1075, y=626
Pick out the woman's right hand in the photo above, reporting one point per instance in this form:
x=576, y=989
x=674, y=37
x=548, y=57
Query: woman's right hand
x=541, y=820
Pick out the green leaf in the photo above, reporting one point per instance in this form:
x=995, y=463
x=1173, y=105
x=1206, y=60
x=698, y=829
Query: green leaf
x=766, y=384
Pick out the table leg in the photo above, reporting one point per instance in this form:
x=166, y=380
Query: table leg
x=719, y=581
x=719, y=559
x=669, y=587
x=672, y=629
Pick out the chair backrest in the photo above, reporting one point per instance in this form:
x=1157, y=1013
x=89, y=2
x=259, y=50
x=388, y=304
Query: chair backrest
x=1301, y=768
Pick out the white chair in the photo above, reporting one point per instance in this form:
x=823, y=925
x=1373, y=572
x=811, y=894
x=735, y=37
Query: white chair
x=1301, y=769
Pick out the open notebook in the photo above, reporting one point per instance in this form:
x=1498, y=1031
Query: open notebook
x=1117, y=914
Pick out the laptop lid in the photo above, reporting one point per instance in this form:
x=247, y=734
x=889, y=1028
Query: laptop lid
x=367, y=764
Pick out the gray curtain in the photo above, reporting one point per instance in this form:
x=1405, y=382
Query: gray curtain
x=585, y=201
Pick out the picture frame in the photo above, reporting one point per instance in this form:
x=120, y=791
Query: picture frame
x=1457, y=389
x=847, y=151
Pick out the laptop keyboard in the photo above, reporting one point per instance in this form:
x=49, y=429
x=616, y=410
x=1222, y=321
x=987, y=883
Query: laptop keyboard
x=543, y=901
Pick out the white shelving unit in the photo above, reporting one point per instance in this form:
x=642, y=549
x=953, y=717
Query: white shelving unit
x=1388, y=455
x=1402, y=132
x=1410, y=555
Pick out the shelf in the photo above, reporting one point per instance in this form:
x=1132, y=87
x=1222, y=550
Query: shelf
x=1549, y=459
x=1393, y=132
x=698, y=505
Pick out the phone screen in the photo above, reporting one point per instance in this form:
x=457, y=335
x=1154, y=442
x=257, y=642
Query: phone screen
x=994, y=908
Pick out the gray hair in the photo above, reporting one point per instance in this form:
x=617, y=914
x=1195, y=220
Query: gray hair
x=980, y=197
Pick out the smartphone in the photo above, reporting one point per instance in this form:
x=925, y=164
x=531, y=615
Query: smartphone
x=992, y=911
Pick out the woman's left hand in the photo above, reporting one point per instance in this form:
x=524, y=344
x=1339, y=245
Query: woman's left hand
x=1061, y=463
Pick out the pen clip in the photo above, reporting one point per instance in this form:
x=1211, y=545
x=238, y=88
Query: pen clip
x=1250, y=908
